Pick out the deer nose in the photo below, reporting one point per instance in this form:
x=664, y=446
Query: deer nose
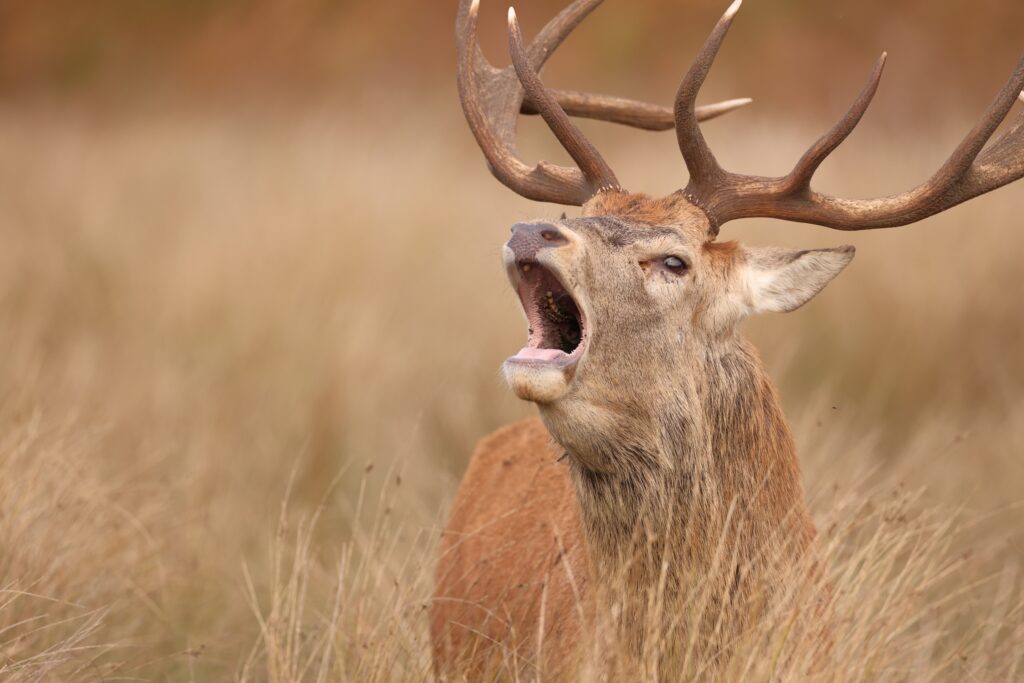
x=529, y=238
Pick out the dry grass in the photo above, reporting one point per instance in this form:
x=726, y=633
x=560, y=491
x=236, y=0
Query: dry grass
x=206, y=314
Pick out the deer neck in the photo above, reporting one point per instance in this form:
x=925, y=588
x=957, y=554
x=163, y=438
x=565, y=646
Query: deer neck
x=712, y=457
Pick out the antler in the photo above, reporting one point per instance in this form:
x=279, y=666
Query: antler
x=595, y=169
x=726, y=196
x=492, y=99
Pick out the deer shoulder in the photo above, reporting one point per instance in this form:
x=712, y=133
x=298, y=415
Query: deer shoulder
x=511, y=551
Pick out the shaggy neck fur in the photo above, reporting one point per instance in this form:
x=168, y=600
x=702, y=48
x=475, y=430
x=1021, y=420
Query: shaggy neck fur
x=701, y=491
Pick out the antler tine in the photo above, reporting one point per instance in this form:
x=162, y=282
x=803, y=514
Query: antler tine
x=803, y=172
x=707, y=112
x=1003, y=161
x=1006, y=142
x=595, y=169
x=699, y=159
x=1005, y=155
x=962, y=158
x=627, y=112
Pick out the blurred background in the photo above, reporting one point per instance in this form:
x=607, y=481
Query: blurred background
x=250, y=261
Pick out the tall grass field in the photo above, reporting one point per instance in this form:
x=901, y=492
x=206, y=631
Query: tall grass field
x=245, y=354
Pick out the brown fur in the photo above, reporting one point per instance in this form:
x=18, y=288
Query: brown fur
x=680, y=474
x=673, y=210
x=513, y=542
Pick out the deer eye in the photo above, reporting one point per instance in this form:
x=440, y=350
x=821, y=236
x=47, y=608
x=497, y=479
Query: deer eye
x=676, y=264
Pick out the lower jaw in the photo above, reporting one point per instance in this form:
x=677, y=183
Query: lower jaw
x=539, y=381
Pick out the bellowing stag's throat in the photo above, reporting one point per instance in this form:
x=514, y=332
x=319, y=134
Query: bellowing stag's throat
x=718, y=475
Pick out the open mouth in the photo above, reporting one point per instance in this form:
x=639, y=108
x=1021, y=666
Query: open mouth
x=558, y=329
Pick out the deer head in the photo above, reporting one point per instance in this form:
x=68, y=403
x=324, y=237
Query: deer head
x=633, y=306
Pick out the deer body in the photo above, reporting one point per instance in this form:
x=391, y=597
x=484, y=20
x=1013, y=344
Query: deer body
x=526, y=535
x=657, y=504
x=688, y=448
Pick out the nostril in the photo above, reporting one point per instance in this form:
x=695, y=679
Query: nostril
x=529, y=238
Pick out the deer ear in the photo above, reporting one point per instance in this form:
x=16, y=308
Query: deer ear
x=780, y=280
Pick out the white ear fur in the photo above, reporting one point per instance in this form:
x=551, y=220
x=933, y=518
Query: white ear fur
x=782, y=280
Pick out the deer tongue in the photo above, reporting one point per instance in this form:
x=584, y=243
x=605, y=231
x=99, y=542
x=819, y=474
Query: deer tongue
x=531, y=353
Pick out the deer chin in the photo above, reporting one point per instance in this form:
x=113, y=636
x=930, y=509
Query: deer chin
x=543, y=370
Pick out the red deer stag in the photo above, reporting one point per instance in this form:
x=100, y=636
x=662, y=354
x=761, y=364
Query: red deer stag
x=661, y=462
